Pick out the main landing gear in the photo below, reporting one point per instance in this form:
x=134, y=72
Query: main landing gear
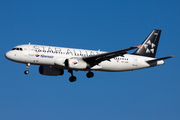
x=90, y=74
x=27, y=67
x=73, y=78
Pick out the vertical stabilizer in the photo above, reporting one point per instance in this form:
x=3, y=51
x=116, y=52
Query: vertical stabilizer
x=149, y=46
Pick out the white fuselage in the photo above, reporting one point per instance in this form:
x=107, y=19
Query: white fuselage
x=47, y=55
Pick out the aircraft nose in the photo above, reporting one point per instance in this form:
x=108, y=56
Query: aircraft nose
x=9, y=55
x=13, y=56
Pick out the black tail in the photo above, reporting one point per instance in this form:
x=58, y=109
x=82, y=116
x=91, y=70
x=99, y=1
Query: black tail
x=149, y=46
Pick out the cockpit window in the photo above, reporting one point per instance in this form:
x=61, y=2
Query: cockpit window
x=14, y=49
x=20, y=49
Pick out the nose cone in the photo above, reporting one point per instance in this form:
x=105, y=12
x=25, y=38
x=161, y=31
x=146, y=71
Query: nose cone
x=7, y=55
x=13, y=56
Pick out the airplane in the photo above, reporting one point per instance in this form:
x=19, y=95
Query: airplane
x=54, y=60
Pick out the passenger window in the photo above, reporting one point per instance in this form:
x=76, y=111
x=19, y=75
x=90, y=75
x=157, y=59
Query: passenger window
x=20, y=49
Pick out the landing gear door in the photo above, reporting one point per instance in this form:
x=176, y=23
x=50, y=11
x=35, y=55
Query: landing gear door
x=135, y=61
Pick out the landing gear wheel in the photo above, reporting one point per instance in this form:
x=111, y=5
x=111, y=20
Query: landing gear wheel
x=27, y=67
x=90, y=74
x=72, y=79
x=26, y=72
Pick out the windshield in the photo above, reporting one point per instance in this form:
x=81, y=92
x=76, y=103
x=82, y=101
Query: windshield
x=20, y=49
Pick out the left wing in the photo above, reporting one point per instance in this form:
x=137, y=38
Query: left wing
x=96, y=59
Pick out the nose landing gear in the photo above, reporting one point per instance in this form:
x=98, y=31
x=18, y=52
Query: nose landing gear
x=27, y=67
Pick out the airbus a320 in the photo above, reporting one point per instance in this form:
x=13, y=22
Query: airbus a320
x=54, y=60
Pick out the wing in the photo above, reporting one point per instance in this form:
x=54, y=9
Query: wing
x=96, y=59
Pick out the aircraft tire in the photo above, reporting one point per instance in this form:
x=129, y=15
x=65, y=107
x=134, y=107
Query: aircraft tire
x=90, y=74
x=72, y=79
x=26, y=72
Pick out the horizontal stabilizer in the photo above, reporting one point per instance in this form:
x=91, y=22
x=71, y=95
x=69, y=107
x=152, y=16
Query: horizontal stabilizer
x=154, y=60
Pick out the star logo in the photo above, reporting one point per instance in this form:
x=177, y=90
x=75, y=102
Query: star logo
x=149, y=47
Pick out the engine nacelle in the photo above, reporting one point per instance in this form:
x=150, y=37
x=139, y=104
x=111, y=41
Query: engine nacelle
x=75, y=63
x=51, y=71
x=60, y=61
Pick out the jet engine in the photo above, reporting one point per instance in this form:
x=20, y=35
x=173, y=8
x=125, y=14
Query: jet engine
x=75, y=63
x=51, y=71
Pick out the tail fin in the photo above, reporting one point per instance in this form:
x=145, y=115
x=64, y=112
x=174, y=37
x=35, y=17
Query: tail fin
x=149, y=46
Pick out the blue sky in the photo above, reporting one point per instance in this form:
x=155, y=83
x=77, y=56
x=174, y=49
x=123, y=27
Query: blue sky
x=148, y=94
